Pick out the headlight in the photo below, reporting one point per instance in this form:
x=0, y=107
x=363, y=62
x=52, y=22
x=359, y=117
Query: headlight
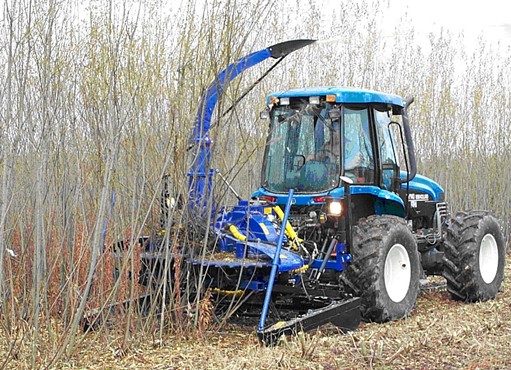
x=335, y=208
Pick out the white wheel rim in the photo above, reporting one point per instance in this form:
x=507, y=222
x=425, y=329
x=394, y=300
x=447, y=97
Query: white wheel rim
x=398, y=273
x=488, y=258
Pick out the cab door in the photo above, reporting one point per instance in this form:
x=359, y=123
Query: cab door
x=388, y=159
x=358, y=145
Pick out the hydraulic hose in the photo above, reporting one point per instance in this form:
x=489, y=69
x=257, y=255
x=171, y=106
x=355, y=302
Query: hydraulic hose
x=290, y=232
x=236, y=233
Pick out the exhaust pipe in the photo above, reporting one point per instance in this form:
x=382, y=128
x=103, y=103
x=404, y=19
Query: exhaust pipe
x=409, y=140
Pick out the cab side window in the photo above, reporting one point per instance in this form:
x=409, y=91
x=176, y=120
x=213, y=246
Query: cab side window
x=358, y=151
x=386, y=148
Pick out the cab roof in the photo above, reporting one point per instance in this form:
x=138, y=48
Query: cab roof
x=346, y=95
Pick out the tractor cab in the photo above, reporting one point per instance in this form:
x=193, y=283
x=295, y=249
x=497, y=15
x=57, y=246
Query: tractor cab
x=320, y=138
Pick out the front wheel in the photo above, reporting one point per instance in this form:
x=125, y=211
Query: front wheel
x=385, y=270
x=474, y=257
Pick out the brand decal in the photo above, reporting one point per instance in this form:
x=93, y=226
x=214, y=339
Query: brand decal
x=421, y=197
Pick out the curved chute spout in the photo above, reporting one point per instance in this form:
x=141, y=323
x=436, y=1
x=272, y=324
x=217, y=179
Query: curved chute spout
x=287, y=47
x=222, y=80
x=200, y=175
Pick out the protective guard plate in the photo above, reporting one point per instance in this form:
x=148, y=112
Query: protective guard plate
x=345, y=315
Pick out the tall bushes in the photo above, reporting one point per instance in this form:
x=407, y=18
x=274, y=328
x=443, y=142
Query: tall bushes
x=98, y=102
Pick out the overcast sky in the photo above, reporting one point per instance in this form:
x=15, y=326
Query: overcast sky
x=492, y=18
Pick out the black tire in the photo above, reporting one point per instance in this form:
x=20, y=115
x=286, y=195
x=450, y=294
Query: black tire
x=474, y=256
x=383, y=298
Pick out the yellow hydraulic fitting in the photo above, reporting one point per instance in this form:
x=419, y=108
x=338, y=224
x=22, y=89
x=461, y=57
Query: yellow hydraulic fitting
x=235, y=232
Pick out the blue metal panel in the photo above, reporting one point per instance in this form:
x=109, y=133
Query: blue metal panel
x=250, y=221
x=338, y=264
x=259, y=249
x=423, y=184
x=287, y=260
x=216, y=88
x=254, y=254
x=307, y=199
x=200, y=177
x=343, y=95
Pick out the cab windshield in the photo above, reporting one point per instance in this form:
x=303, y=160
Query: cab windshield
x=304, y=147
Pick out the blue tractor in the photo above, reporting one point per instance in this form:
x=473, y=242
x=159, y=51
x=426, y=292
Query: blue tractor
x=342, y=228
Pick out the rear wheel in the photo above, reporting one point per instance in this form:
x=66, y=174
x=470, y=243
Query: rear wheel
x=385, y=269
x=474, y=257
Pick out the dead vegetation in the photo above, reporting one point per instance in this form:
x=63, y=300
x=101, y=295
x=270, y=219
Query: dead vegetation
x=441, y=333
x=96, y=110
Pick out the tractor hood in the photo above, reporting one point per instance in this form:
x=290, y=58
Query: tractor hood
x=424, y=185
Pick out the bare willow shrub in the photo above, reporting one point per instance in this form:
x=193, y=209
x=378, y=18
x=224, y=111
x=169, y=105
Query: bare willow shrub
x=97, y=108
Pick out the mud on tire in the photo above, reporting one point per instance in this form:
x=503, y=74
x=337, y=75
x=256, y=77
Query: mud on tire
x=474, y=256
x=385, y=269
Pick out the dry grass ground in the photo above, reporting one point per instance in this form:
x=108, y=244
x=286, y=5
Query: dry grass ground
x=441, y=333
